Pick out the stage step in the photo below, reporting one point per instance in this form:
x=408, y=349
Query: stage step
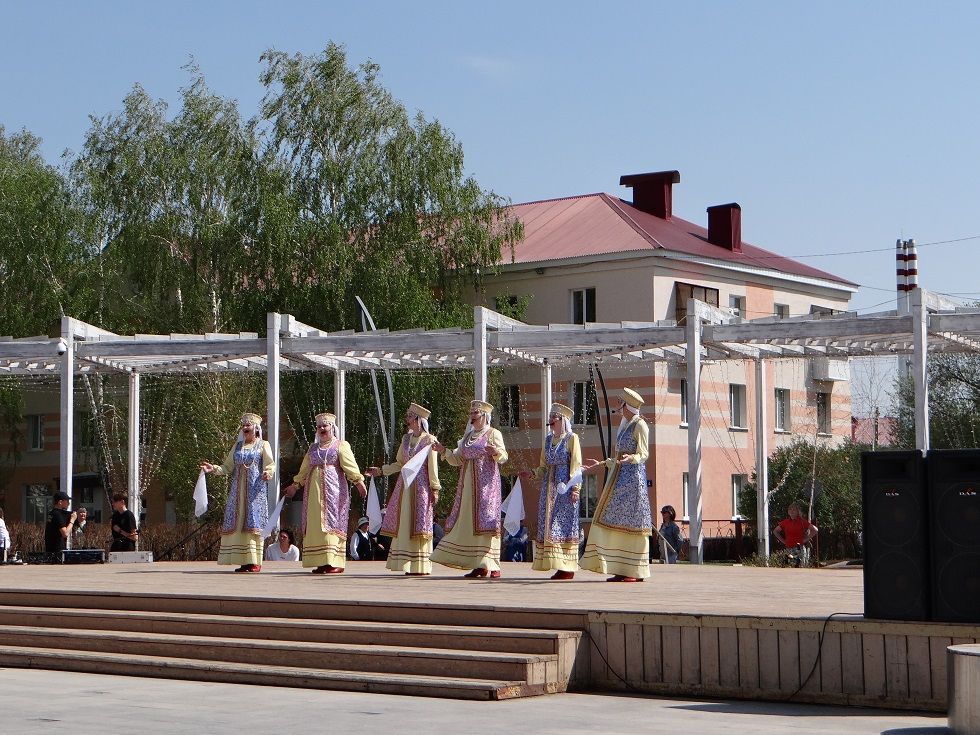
x=95, y=633
x=165, y=667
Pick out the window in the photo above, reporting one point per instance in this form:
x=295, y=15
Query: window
x=509, y=414
x=823, y=413
x=816, y=310
x=782, y=409
x=37, y=503
x=583, y=305
x=780, y=311
x=35, y=432
x=685, y=291
x=736, y=406
x=737, y=305
x=583, y=404
x=587, y=497
x=684, y=401
x=738, y=485
x=684, y=486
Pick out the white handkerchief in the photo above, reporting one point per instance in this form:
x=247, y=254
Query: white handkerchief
x=200, y=496
x=373, y=508
x=513, y=509
x=270, y=526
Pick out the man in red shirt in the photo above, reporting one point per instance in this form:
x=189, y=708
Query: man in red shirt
x=795, y=530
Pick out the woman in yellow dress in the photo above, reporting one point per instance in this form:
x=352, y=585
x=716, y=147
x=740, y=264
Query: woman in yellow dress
x=556, y=542
x=619, y=539
x=328, y=469
x=472, y=539
x=408, y=517
x=250, y=464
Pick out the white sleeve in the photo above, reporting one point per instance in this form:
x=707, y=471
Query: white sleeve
x=292, y=554
x=353, y=547
x=4, y=536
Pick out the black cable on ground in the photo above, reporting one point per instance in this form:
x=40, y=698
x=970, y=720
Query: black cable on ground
x=816, y=661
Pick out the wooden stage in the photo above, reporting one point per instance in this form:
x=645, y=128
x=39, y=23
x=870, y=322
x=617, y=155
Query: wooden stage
x=712, y=630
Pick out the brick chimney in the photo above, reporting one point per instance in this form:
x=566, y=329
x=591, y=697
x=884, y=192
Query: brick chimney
x=652, y=191
x=725, y=226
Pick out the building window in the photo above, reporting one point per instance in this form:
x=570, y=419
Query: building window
x=737, y=305
x=509, y=415
x=683, y=401
x=816, y=310
x=780, y=311
x=583, y=404
x=782, y=409
x=587, y=497
x=583, y=305
x=736, y=406
x=738, y=485
x=685, y=291
x=823, y=413
x=35, y=432
x=37, y=503
x=684, y=499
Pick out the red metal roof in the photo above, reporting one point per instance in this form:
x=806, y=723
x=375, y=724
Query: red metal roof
x=599, y=224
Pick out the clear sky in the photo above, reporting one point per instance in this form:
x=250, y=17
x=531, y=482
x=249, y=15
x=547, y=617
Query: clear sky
x=838, y=126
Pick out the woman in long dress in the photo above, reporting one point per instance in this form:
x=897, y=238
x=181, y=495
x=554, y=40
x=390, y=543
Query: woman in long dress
x=250, y=464
x=619, y=538
x=472, y=539
x=408, y=517
x=556, y=542
x=328, y=470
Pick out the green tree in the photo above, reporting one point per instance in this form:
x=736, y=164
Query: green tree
x=837, y=469
x=954, y=403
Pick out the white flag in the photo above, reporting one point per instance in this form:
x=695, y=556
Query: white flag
x=373, y=508
x=270, y=525
x=576, y=479
x=200, y=496
x=412, y=467
x=513, y=509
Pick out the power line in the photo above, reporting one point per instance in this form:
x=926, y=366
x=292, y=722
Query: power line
x=860, y=252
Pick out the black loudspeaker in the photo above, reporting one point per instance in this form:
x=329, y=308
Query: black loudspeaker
x=896, y=535
x=84, y=556
x=954, y=511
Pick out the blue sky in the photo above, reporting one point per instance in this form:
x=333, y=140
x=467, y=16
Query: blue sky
x=838, y=126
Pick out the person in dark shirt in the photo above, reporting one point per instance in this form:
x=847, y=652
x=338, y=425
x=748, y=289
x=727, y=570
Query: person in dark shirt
x=124, y=530
x=437, y=533
x=59, y=526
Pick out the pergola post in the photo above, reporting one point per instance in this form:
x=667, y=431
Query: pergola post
x=920, y=349
x=692, y=329
x=761, y=459
x=133, y=468
x=67, y=425
x=479, y=354
x=546, y=400
x=273, y=338
x=340, y=399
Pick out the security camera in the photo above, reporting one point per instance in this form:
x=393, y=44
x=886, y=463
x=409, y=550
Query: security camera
x=62, y=347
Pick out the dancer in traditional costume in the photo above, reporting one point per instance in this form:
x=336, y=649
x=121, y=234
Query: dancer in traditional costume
x=556, y=543
x=250, y=464
x=618, y=542
x=408, y=517
x=472, y=539
x=327, y=470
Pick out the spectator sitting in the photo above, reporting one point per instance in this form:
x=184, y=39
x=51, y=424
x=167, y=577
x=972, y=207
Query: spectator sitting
x=285, y=549
x=437, y=533
x=361, y=546
x=515, y=546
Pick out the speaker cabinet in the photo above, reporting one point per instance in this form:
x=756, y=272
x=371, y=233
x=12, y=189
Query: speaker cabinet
x=896, y=547
x=954, y=511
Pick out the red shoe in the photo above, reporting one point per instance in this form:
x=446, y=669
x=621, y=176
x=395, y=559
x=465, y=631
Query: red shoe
x=616, y=578
x=323, y=569
x=495, y=574
x=630, y=579
x=476, y=573
x=563, y=575
x=254, y=568
x=416, y=574
x=334, y=570
x=242, y=568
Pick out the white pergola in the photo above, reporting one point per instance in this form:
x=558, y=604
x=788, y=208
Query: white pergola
x=931, y=325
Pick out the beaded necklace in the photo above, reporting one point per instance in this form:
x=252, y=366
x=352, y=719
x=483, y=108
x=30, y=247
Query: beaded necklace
x=320, y=455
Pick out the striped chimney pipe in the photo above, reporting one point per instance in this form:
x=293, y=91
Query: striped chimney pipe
x=911, y=266
x=901, y=278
